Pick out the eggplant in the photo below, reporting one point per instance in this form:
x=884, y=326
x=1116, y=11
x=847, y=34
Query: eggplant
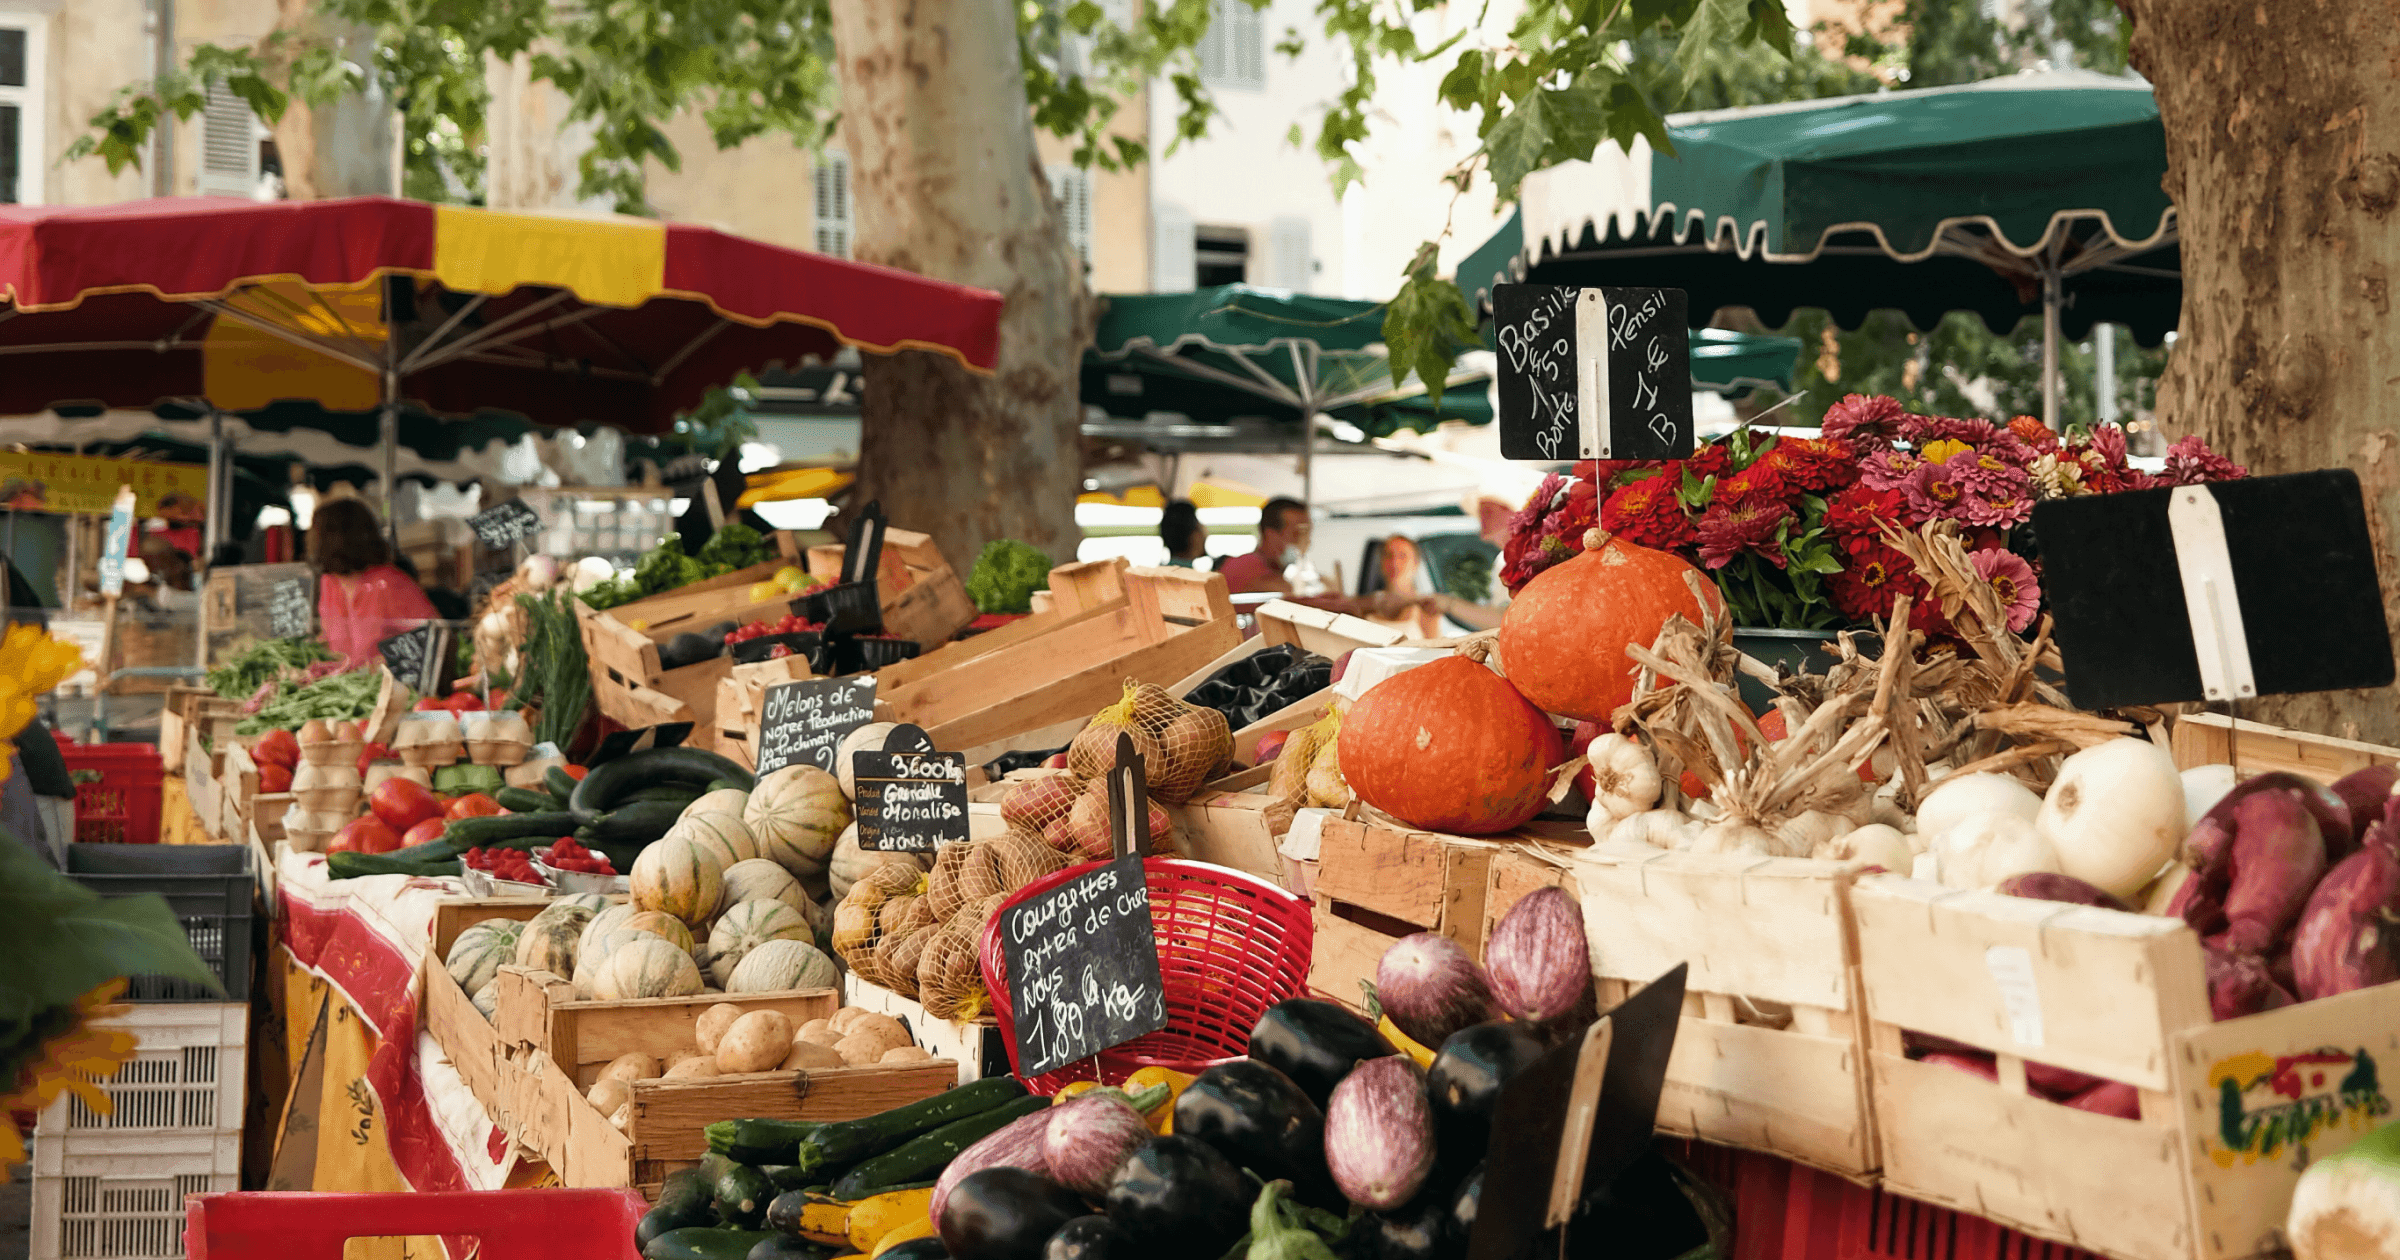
x=915, y=1249
x=1259, y=1118
x=1379, y=1134
x=1178, y=1199
x=1087, y=1140
x=1088, y=1238
x=1006, y=1214
x=1463, y=1085
x=1418, y=1231
x=787, y=1247
x=1315, y=1043
x=1465, y=1204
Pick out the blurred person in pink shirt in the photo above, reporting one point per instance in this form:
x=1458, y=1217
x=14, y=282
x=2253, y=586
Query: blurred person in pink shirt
x=362, y=599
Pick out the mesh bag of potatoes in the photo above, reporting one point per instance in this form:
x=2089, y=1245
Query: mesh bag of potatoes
x=949, y=972
x=1181, y=745
x=1307, y=773
x=883, y=928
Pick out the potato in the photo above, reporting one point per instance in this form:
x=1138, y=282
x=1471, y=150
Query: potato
x=859, y=1048
x=809, y=1056
x=905, y=1054
x=633, y=1065
x=820, y=1033
x=697, y=1068
x=622, y=1118
x=893, y=1032
x=684, y=1056
x=841, y=1018
x=757, y=1042
x=710, y=1028
x=609, y=1093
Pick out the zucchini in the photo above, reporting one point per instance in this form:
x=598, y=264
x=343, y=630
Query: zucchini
x=353, y=865
x=915, y=1249
x=684, y=1201
x=805, y=1215
x=701, y=1243
x=606, y=787
x=676, y=792
x=725, y=785
x=927, y=1154
x=760, y=1142
x=472, y=833
x=642, y=822
x=849, y=1141
x=517, y=800
x=742, y=1196
x=712, y=1166
x=789, y=1176
x=561, y=785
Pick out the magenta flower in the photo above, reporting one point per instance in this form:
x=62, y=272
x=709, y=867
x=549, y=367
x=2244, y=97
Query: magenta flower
x=2003, y=508
x=2190, y=462
x=1729, y=529
x=2012, y=580
x=1935, y=492
x=1983, y=472
x=1862, y=418
x=1886, y=469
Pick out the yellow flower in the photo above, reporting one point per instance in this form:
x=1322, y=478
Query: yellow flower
x=74, y=1059
x=1939, y=452
x=31, y=664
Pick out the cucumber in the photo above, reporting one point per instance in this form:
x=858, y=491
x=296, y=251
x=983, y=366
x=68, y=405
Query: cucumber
x=675, y=792
x=471, y=833
x=561, y=785
x=353, y=865
x=760, y=1142
x=849, y=1141
x=517, y=800
x=742, y=1196
x=702, y=1243
x=642, y=822
x=607, y=786
x=924, y=1156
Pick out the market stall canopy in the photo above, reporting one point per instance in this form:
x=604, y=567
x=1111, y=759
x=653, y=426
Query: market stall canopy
x=361, y=302
x=1988, y=197
x=335, y=446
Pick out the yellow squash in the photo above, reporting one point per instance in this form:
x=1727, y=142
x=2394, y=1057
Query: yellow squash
x=912, y=1230
x=1392, y=1033
x=873, y=1220
x=1162, y=1121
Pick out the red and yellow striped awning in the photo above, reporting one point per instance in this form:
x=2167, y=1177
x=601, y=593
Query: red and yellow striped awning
x=565, y=319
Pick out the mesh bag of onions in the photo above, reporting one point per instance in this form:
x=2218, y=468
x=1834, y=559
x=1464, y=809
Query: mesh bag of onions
x=1039, y=799
x=1181, y=745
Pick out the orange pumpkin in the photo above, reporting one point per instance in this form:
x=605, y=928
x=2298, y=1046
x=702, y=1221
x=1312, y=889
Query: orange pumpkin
x=1450, y=747
x=1563, y=639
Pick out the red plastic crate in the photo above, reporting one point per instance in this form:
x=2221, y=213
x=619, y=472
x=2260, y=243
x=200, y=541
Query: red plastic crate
x=511, y=1224
x=119, y=792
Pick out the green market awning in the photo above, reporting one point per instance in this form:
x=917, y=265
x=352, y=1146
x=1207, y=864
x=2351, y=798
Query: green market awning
x=2033, y=193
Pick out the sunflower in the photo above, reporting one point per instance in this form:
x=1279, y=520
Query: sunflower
x=64, y=1054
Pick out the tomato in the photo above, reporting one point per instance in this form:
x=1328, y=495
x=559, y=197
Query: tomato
x=472, y=805
x=497, y=701
x=424, y=832
x=403, y=803
x=466, y=702
x=432, y=704
x=575, y=772
x=366, y=835
x=274, y=778
x=371, y=754
x=277, y=747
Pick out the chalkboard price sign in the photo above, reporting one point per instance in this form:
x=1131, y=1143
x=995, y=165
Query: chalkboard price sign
x=805, y=721
x=418, y=657
x=910, y=798
x=1083, y=966
x=1593, y=373
x=291, y=614
x=505, y=524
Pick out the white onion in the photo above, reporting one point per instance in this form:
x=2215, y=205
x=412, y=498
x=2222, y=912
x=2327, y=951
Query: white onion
x=1981, y=851
x=2115, y=814
x=1969, y=796
x=2203, y=787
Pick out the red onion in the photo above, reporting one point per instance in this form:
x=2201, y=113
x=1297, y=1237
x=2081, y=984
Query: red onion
x=1538, y=958
x=1379, y=1133
x=1431, y=989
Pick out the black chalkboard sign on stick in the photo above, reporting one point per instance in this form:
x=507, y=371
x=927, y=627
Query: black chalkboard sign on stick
x=1576, y=1118
x=806, y=720
x=2224, y=592
x=1592, y=373
x=505, y=524
x=291, y=608
x=1082, y=957
x=911, y=799
x=424, y=658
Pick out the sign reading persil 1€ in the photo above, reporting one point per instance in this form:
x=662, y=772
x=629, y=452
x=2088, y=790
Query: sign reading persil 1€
x=2270, y=1106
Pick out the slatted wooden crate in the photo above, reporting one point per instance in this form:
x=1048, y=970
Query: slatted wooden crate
x=2211, y=739
x=1376, y=883
x=922, y=598
x=625, y=661
x=1769, y=1053
x=2230, y=1112
x=465, y=1036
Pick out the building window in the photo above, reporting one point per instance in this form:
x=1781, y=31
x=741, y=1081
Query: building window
x=230, y=139
x=1220, y=255
x=1072, y=185
x=834, y=217
x=1233, y=53
x=20, y=109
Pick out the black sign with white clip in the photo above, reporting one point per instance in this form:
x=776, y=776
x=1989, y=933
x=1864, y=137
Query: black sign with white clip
x=291, y=608
x=806, y=720
x=911, y=798
x=1592, y=373
x=505, y=524
x=422, y=658
x=853, y=606
x=2221, y=592
x=1082, y=957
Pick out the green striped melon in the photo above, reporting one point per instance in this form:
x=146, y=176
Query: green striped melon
x=603, y=923
x=597, y=950
x=593, y=902
x=677, y=877
x=868, y=738
x=784, y=964
x=747, y=926
x=723, y=835
x=646, y=968
x=548, y=941
x=665, y=925
x=476, y=955
x=797, y=813
x=759, y=879
x=722, y=801
x=487, y=999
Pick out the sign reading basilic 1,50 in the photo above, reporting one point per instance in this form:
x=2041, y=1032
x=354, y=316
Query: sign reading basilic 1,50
x=1592, y=373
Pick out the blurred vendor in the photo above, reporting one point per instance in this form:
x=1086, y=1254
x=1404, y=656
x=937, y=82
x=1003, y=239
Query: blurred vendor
x=1283, y=533
x=1186, y=538
x=362, y=599
x=173, y=581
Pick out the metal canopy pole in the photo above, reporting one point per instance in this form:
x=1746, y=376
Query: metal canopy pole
x=2053, y=296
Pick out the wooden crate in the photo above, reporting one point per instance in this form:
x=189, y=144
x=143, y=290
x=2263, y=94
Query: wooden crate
x=625, y=660
x=975, y=1047
x=2210, y=739
x=741, y=698
x=923, y=600
x=552, y=1048
x=1376, y=883
x=465, y=1036
x=1517, y=871
x=1054, y=676
x=1764, y=936
x=2123, y=997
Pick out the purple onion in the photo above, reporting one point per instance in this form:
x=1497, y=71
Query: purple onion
x=1538, y=957
x=1379, y=1133
x=1431, y=989
x=1088, y=1139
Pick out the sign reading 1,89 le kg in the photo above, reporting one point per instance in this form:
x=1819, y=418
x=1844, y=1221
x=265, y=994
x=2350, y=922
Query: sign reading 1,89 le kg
x=1592, y=373
x=1083, y=967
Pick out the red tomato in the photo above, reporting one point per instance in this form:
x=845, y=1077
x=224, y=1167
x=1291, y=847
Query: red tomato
x=472, y=805
x=274, y=778
x=497, y=700
x=575, y=772
x=424, y=832
x=371, y=754
x=403, y=803
x=277, y=748
x=367, y=835
x=466, y=702
x=432, y=704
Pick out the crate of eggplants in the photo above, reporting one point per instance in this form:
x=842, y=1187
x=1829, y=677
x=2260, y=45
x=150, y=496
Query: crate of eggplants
x=1263, y=682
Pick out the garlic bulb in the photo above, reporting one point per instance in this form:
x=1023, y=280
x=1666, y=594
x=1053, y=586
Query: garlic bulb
x=1975, y=795
x=1658, y=828
x=1624, y=778
x=1816, y=827
x=1734, y=835
x=1872, y=845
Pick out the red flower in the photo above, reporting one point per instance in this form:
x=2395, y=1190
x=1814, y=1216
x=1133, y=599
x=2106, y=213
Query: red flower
x=1648, y=513
x=1919, y=430
x=1708, y=461
x=1729, y=529
x=1860, y=514
x=2190, y=463
x=2033, y=433
x=1862, y=418
x=1875, y=576
x=1817, y=464
x=1760, y=482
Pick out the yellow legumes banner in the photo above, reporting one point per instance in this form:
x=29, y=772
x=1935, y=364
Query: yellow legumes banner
x=35, y=482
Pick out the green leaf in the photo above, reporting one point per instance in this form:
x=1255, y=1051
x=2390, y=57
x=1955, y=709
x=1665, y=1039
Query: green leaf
x=1426, y=324
x=1712, y=23
x=63, y=940
x=1518, y=143
x=1769, y=24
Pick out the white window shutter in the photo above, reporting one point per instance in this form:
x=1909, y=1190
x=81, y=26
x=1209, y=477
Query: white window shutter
x=1248, y=37
x=1172, y=266
x=1288, y=254
x=228, y=145
x=1073, y=187
x=833, y=203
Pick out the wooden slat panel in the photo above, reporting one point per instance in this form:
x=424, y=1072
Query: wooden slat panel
x=1771, y=928
x=1432, y=881
x=2210, y=739
x=1801, y=1097
x=1082, y=693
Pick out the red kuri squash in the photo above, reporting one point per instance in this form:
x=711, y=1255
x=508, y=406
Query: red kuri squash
x=1564, y=637
x=1451, y=747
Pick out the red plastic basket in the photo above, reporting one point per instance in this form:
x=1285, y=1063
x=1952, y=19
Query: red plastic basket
x=512, y=1224
x=1229, y=946
x=119, y=790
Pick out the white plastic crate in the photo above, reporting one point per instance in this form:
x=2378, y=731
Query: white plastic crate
x=187, y=1073
x=119, y=1196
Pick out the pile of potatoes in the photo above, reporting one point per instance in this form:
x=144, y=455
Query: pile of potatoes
x=732, y=1040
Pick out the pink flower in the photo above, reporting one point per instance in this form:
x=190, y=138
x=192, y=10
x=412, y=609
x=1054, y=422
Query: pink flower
x=2109, y=442
x=1861, y=418
x=2002, y=508
x=1920, y=430
x=2012, y=580
x=1984, y=472
x=2190, y=462
x=1729, y=529
x=1886, y=469
x=1935, y=492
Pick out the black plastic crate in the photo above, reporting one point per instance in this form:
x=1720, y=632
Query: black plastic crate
x=865, y=656
x=209, y=886
x=847, y=608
